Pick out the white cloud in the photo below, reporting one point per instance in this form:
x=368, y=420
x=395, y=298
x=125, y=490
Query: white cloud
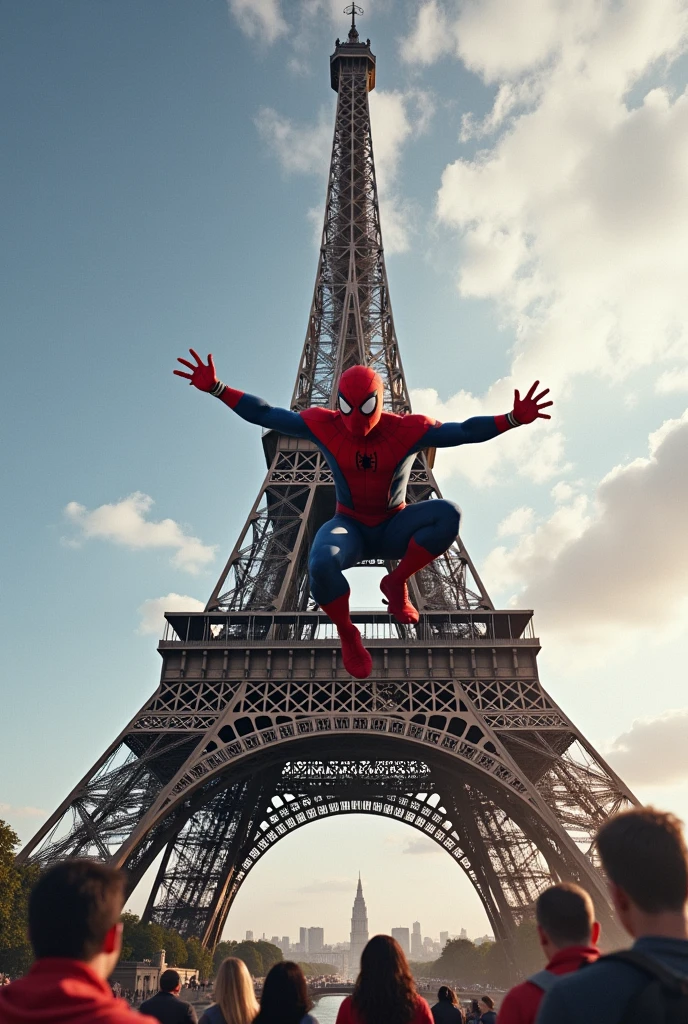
x=431, y=37
x=153, y=610
x=13, y=811
x=572, y=218
x=395, y=118
x=421, y=846
x=535, y=452
x=616, y=567
x=302, y=149
x=516, y=522
x=653, y=751
x=126, y=523
x=261, y=19
x=673, y=380
x=562, y=492
x=325, y=885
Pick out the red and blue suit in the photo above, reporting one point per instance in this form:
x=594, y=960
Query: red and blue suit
x=370, y=453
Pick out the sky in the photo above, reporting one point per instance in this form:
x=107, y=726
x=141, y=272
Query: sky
x=164, y=168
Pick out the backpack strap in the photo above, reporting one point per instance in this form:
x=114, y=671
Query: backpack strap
x=544, y=980
x=674, y=981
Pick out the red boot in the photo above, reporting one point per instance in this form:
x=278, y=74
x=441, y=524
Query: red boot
x=357, y=661
x=398, y=601
x=393, y=586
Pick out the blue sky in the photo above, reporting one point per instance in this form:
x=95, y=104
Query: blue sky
x=164, y=169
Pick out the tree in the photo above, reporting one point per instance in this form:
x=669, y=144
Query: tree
x=248, y=952
x=141, y=941
x=9, y=883
x=198, y=957
x=269, y=954
x=529, y=955
x=317, y=970
x=16, y=883
x=175, y=948
x=460, y=961
x=223, y=950
x=493, y=968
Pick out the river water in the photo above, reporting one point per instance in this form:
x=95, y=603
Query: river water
x=325, y=1008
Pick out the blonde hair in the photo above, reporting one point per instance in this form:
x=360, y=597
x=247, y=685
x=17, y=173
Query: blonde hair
x=234, y=992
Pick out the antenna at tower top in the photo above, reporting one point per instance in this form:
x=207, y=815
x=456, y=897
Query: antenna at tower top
x=353, y=10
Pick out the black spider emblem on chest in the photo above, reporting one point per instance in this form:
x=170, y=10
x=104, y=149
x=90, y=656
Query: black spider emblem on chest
x=366, y=461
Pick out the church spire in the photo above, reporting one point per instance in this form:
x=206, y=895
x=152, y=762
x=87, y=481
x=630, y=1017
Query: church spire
x=359, y=930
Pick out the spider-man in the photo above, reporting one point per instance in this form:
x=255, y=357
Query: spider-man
x=370, y=453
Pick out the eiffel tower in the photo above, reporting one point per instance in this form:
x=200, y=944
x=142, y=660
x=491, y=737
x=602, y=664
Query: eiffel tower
x=256, y=730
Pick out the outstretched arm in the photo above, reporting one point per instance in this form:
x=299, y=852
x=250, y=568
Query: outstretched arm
x=250, y=408
x=483, y=428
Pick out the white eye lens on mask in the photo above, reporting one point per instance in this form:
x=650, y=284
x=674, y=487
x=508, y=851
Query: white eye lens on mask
x=344, y=406
x=369, y=405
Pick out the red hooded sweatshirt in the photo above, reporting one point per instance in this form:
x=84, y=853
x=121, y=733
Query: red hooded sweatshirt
x=61, y=991
x=521, y=1003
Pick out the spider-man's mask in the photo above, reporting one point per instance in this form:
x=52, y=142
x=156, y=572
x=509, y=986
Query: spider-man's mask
x=360, y=399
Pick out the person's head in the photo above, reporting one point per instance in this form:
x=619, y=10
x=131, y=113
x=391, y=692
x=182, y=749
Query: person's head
x=644, y=856
x=486, y=1003
x=447, y=995
x=170, y=982
x=384, y=988
x=565, y=917
x=234, y=992
x=74, y=912
x=285, y=995
x=359, y=399
x=475, y=1006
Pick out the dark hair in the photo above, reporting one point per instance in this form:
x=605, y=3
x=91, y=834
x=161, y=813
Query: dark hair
x=643, y=851
x=447, y=995
x=169, y=980
x=488, y=1000
x=565, y=912
x=384, y=990
x=285, y=997
x=475, y=1008
x=72, y=907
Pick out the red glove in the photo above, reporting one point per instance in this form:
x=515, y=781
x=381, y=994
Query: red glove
x=202, y=377
x=530, y=408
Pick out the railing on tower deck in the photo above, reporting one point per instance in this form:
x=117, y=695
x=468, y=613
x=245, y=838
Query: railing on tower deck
x=274, y=629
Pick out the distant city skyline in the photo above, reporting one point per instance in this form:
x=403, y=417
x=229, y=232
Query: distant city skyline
x=416, y=944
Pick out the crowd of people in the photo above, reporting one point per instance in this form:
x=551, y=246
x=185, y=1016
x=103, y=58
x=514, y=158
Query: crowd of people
x=76, y=934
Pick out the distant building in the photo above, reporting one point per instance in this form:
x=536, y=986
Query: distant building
x=284, y=944
x=444, y=939
x=483, y=938
x=275, y=940
x=359, y=931
x=249, y=936
x=303, y=939
x=402, y=935
x=142, y=976
x=416, y=942
x=463, y=934
x=316, y=940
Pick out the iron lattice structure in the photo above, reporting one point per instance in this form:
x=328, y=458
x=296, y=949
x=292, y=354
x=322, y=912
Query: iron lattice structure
x=256, y=729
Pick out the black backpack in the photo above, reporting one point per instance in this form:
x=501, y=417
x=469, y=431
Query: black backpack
x=663, y=1000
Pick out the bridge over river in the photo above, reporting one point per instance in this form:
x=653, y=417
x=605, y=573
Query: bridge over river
x=338, y=989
